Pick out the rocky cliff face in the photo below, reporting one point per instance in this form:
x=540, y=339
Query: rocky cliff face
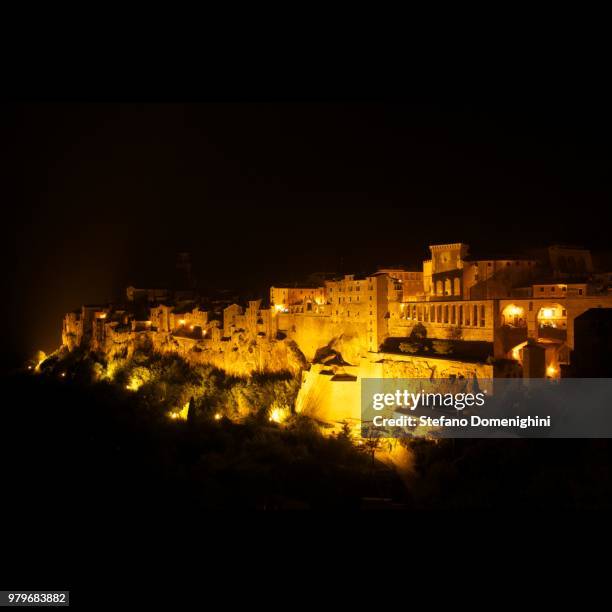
x=242, y=355
x=330, y=362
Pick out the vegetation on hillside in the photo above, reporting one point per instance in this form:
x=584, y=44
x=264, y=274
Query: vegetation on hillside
x=98, y=448
x=165, y=383
x=101, y=436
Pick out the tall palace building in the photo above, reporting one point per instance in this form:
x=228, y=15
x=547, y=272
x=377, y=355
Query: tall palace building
x=492, y=307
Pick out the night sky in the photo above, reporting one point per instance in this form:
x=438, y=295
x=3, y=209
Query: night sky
x=101, y=196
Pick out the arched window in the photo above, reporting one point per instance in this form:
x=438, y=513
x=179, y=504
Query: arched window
x=457, y=287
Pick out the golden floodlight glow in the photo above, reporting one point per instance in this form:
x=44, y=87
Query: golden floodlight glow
x=279, y=307
x=102, y=315
x=134, y=384
x=217, y=416
x=181, y=321
x=191, y=327
x=548, y=313
x=551, y=370
x=179, y=414
x=278, y=415
x=63, y=374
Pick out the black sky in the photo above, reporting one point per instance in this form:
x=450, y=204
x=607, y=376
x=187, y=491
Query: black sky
x=105, y=195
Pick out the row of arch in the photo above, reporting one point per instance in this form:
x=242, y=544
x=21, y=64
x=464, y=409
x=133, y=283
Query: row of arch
x=448, y=287
x=549, y=315
x=464, y=315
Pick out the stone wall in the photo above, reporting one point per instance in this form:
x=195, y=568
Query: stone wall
x=334, y=395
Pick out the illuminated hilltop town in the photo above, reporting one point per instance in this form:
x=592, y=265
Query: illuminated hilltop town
x=457, y=316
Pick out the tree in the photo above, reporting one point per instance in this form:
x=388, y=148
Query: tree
x=455, y=333
x=409, y=347
x=371, y=445
x=418, y=333
x=442, y=347
x=191, y=411
x=345, y=432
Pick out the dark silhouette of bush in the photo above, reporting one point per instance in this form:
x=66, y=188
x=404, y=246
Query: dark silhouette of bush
x=105, y=451
x=191, y=411
x=442, y=347
x=418, y=333
x=410, y=347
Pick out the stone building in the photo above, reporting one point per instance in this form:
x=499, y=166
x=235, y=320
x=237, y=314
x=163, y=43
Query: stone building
x=135, y=294
x=568, y=261
x=466, y=311
x=452, y=274
x=469, y=303
x=411, y=281
x=253, y=320
x=297, y=299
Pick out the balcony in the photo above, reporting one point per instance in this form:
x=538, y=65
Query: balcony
x=552, y=333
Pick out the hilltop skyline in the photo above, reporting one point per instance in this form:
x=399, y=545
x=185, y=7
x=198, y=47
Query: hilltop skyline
x=107, y=194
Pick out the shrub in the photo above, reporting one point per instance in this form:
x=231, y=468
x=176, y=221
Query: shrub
x=418, y=333
x=410, y=347
x=442, y=347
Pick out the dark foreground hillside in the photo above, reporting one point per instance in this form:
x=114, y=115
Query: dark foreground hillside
x=95, y=450
x=77, y=452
